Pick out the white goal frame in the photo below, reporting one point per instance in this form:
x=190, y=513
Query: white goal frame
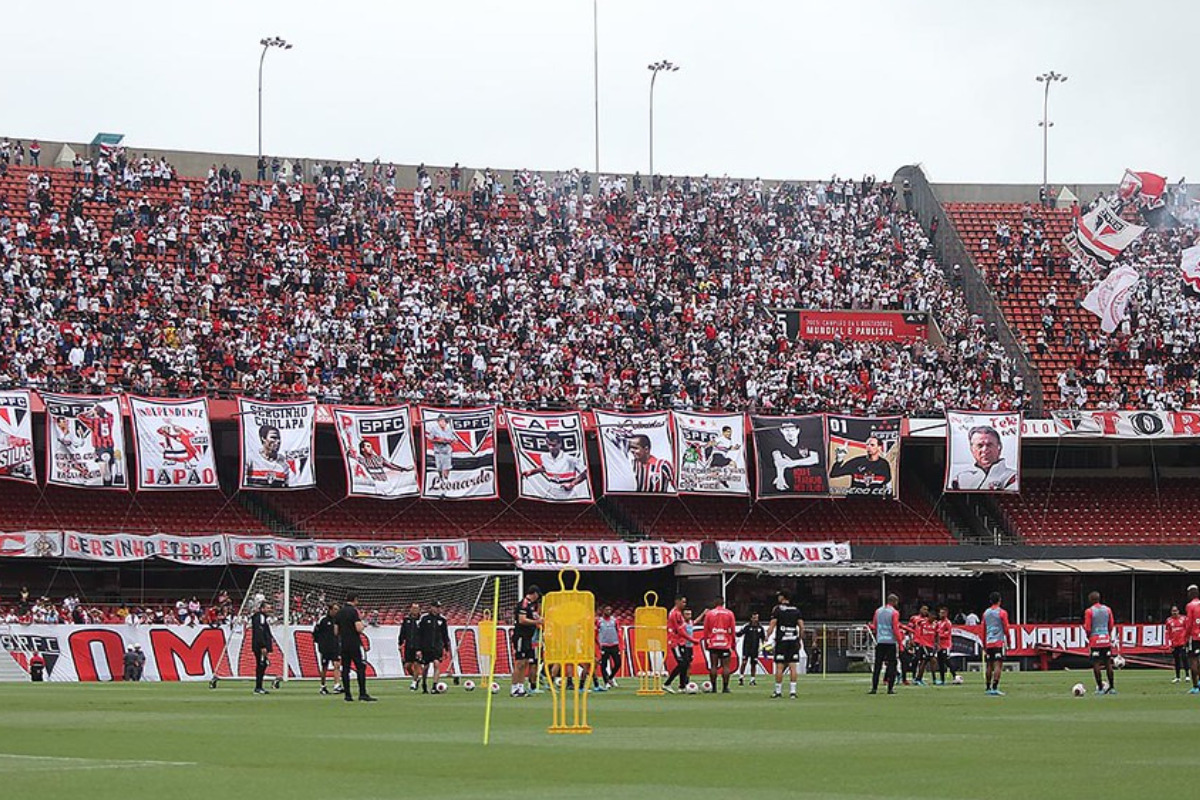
x=283, y=629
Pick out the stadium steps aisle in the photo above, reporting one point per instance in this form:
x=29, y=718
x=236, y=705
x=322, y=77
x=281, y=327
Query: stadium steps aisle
x=268, y=516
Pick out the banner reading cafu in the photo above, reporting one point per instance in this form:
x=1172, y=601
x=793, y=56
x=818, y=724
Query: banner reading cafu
x=551, y=456
x=277, y=444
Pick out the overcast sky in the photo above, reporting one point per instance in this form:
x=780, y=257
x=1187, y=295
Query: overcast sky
x=778, y=89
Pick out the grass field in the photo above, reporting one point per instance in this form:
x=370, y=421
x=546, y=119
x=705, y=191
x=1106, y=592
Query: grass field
x=184, y=740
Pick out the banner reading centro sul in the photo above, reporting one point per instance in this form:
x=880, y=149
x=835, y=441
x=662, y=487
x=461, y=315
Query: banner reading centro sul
x=277, y=444
x=271, y=551
x=754, y=554
x=174, y=444
x=600, y=555
x=1127, y=424
x=198, y=550
x=16, y=437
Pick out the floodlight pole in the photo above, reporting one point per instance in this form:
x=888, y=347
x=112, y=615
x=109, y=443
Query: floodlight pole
x=655, y=68
x=1047, y=78
x=267, y=43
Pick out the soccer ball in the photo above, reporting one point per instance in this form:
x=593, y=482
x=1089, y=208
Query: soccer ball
x=708, y=687
x=440, y=688
x=692, y=688
x=768, y=649
x=495, y=688
x=1119, y=662
x=1079, y=690
x=957, y=680
x=469, y=686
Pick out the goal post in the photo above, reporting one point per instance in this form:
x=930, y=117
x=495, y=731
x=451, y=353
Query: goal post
x=300, y=596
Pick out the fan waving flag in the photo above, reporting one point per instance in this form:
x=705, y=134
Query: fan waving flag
x=1145, y=187
x=1103, y=234
x=1109, y=300
x=1189, y=264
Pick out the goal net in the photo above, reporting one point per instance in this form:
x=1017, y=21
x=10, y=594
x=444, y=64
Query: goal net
x=299, y=597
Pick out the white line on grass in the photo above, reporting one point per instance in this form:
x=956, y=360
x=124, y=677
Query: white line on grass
x=19, y=762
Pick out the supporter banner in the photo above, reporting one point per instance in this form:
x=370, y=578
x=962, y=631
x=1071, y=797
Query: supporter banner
x=1103, y=234
x=637, y=454
x=377, y=451
x=711, y=458
x=600, y=555
x=1109, y=299
x=173, y=441
x=459, y=447
x=983, y=452
x=864, y=455
x=195, y=550
x=271, y=551
x=551, y=456
x=85, y=441
x=793, y=554
x=31, y=544
x=1033, y=640
x=889, y=326
x=1128, y=424
x=791, y=456
x=16, y=437
x=1189, y=267
x=278, y=442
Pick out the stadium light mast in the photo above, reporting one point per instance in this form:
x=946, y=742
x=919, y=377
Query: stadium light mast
x=1047, y=78
x=267, y=44
x=655, y=68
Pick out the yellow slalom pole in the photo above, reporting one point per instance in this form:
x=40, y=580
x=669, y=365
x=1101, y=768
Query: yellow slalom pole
x=487, y=714
x=824, y=653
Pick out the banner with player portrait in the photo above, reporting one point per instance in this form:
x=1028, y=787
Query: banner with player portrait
x=551, y=456
x=16, y=437
x=277, y=442
x=85, y=441
x=983, y=452
x=174, y=445
x=711, y=457
x=637, y=453
x=458, y=449
x=864, y=456
x=377, y=451
x=790, y=456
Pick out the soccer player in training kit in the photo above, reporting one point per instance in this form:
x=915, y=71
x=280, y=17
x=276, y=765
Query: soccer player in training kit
x=1100, y=625
x=434, y=636
x=753, y=635
x=788, y=628
x=409, y=644
x=719, y=631
x=1177, y=636
x=349, y=627
x=608, y=641
x=921, y=628
x=526, y=622
x=888, y=635
x=995, y=638
x=263, y=643
x=943, y=640
x=326, y=640
x=681, y=642
x=1191, y=620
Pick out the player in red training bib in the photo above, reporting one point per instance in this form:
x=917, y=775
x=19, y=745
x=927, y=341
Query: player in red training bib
x=922, y=629
x=1100, y=625
x=1177, y=637
x=1192, y=622
x=943, y=642
x=719, y=633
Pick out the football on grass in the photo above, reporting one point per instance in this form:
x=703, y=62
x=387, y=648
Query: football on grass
x=469, y=686
x=692, y=688
x=440, y=688
x=1079, y=690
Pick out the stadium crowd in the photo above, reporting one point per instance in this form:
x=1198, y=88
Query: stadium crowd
x=330, y=281
x=27, y=609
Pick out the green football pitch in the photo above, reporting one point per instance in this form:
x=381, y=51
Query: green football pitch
x=182, y=741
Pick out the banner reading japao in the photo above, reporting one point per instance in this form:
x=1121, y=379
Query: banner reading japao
x=174, y=444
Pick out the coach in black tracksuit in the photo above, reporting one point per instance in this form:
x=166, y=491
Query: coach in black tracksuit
x=349, y=628
x=262, y=642
x=434, y=636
